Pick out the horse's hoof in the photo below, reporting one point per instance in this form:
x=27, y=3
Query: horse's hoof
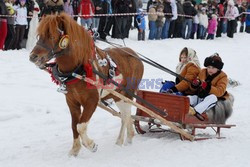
x=119, y=143
x=94, y=148
x=129, y=141
x=73, y=152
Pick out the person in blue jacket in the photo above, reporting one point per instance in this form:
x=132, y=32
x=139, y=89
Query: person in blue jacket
x=248, y=20
x=141, y=22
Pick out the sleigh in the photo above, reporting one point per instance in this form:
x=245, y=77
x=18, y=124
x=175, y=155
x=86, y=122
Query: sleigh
x=176, y=108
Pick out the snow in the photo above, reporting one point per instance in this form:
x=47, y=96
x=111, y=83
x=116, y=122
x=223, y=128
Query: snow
x=35, y=124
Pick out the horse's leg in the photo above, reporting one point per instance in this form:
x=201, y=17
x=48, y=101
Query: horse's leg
x=126, y=121
x=75, y=111
x=130, y=131
x=89, y=108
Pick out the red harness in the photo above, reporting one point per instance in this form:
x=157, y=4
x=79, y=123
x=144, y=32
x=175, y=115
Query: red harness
x=86, y=67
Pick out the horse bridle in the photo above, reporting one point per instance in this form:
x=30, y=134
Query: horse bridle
x=51, y=51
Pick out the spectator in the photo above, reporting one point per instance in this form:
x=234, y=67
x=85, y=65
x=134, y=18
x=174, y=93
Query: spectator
x=242, y=18
x=248, y=20
x=203, y=23
x=231, y=13
x=221, y=13
x=86, y=9
x=30, y=9
x=21, y=23
x=190, y=11
x=152, y=17
x=160, y=21
x=173, y=19
x=106, y=22
x=10, y=25
x=98, y=4
x=32, y=36
x=168, y=15
x=212, y=25
x=75, y=4
x=3, y=24
x=179, y=20
x=132, y=9
x=67, y=7
x=141, y=22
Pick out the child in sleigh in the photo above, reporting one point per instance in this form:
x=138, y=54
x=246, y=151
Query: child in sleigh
x=210, y=87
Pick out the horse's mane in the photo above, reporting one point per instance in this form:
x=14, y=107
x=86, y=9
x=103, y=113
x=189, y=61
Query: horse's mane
x=80, y=42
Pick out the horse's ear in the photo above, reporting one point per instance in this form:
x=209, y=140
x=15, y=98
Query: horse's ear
x=63, y=23
x=60, y=22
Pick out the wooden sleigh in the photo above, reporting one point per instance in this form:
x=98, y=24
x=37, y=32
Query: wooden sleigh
x=177, y=108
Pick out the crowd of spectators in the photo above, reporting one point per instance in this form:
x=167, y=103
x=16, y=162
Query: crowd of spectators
x=185, y=19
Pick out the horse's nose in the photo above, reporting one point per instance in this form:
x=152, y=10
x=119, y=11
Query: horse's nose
x=33, y=57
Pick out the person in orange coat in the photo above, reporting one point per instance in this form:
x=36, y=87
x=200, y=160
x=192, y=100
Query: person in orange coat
x=210, y=86
x=189, y=68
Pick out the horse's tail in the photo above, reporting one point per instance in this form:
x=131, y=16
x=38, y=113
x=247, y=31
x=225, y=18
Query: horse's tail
x=222, y=111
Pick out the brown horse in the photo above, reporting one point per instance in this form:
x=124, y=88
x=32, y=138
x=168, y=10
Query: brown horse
x=60, y=37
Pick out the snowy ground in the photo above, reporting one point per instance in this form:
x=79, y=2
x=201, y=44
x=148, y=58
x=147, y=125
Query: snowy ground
x=35, y=124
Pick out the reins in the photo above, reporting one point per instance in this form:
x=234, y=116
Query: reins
x=148, y=61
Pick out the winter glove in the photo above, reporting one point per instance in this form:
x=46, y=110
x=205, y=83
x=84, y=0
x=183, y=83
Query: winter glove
x=203, y=85
x=204, y=89
x=196, y=83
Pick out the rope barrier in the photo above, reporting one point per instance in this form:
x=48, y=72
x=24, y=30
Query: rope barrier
x=127, y=14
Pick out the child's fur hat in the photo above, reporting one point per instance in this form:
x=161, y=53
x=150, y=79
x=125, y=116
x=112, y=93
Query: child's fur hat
x=214, y=61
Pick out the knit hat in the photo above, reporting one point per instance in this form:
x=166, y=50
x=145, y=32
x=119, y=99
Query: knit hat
x=214, y=61
x=22, y=0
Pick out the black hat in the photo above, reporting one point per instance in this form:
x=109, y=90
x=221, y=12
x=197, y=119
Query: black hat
x=214, y=61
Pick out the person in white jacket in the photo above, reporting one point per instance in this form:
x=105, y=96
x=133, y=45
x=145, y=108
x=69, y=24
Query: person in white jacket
x=31, y=42
x=231, y=14
x=203, y=23
x=20, y=22
x=172, y=22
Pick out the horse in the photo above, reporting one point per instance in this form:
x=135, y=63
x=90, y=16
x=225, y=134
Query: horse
x=72, y=48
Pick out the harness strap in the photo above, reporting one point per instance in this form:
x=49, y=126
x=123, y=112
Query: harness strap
x=151, y=106
x=66, y=78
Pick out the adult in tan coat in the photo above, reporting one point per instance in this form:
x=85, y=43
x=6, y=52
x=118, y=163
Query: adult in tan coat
x=189, y=68
x=152, y=17
x=210, y=86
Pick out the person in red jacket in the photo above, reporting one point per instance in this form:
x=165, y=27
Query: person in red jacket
x=3, y=23
x=86, y=11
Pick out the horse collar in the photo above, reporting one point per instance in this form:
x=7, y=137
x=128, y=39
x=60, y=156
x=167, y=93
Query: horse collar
x=66, y=78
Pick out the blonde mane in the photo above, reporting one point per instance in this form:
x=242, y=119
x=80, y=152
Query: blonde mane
x=80, y=42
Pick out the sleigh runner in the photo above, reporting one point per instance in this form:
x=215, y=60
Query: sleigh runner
x=177, y=108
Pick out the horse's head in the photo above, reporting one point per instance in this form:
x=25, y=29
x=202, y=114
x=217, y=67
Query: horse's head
x=53, y=40
x=60, y=36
